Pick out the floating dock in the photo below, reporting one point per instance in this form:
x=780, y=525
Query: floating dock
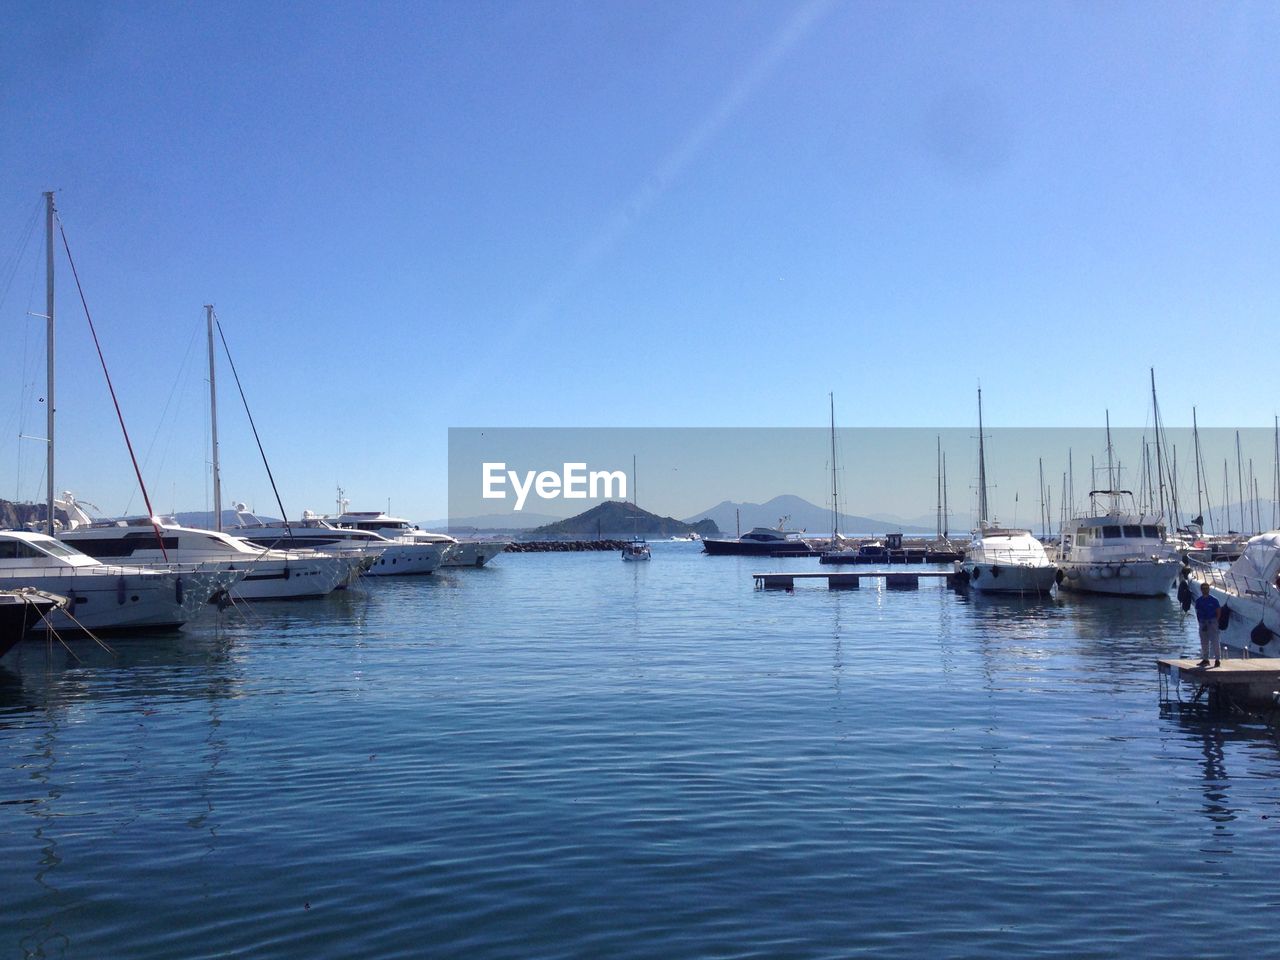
x=893, y=579
x=1251, y=683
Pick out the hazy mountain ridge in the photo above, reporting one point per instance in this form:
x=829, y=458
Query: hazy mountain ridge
x=804, y=516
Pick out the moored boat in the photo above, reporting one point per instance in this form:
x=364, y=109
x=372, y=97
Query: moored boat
x=22, y=610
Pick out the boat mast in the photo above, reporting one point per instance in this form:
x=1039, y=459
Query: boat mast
x=1155, y=417
x=1240, y=480
x=48, y=300
x=1043, y=525
x=982, y=470
x=1226, y=494
x=835, y=494
x=946, y=512
x=1195, y=439
x=213, y=424
x=939, y=531
x=1275, y=479
x=1111, y=472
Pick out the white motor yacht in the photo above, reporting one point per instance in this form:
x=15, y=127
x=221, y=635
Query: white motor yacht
x=268, y=574
x=1008, y=561
x=1117, y=550
x=1250, y=590
x=454, y=552
x=109, y=596
x=312, y=532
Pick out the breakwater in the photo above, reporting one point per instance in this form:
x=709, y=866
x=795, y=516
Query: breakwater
x=563, y=546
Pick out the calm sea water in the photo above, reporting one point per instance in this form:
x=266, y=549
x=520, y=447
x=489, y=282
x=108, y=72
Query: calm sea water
x=570, y=756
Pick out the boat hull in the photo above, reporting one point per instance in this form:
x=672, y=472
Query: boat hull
x=135, y=599
x=750, y=548
x=473, y=553
x=294, y=579
x=401, y=559
x=1010, y=578
x=1127, y=578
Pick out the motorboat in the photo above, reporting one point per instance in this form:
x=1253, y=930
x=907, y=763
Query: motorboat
x=109, y=596
x=762, y=542
x=394, y=557
x=999, y=560
x=268, y=574
x=1250, y=590
x=1117, y=550
x=1007, y=561
x=453, y=552
x=636, y=549
x=22, y=610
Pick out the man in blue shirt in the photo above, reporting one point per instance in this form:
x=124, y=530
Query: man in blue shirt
x=1207, y=615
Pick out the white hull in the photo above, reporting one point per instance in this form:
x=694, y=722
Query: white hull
x=401, y=559
x=125, y=598
x=473, y=553
x=1122, y=578
x=1004, y=578
x=293, y=579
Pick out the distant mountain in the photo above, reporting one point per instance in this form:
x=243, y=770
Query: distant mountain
x=804, y=516
x=488, y=522
x=615, y=519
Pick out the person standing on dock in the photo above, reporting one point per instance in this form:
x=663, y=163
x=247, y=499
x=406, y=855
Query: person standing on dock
x=1207, y=616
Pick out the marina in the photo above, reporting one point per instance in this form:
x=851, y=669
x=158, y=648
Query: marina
x=494, y=768
x=572, y=534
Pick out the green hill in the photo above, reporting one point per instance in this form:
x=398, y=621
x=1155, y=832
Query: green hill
x=614, y=519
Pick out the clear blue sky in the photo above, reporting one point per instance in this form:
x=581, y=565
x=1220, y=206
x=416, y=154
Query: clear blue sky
x=422, y=215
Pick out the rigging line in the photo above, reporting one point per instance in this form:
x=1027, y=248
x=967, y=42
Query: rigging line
x=20, y=250
x=227, y=350
x=164, y=415
x=119, y=415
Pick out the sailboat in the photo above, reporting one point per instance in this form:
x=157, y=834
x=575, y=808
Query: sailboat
x=1114, y=548
x=100, y=596
x=1000, y=560
x=268, y=574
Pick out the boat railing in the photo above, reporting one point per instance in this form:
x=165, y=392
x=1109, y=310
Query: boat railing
x=1239, y=584
x=116, y=570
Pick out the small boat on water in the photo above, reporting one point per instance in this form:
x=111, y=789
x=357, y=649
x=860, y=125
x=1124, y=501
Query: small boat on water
x=22, y=610
x=762, y=542
x=636, y=549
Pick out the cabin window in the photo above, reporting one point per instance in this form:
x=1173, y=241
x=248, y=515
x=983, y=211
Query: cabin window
x=1150, y=530
x=17, y=550
x=1111, y=533
x=1133, y=530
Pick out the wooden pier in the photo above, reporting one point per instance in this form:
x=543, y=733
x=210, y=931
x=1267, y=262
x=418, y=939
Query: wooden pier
x=1252, y=683
x=893, y=579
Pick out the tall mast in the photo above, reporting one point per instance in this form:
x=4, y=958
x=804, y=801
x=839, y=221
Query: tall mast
x=939, y=532
x=1155, y=418
x=1111, y=470
x=1226, y=494
x=1043, y=530
x=835, y=494
x=1240, y=480
x=946, y=513
x=49, y=405
x=982, y=470
x=1275, y=479
x=1195, y=437
x=213, y=423
x=635, y=497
